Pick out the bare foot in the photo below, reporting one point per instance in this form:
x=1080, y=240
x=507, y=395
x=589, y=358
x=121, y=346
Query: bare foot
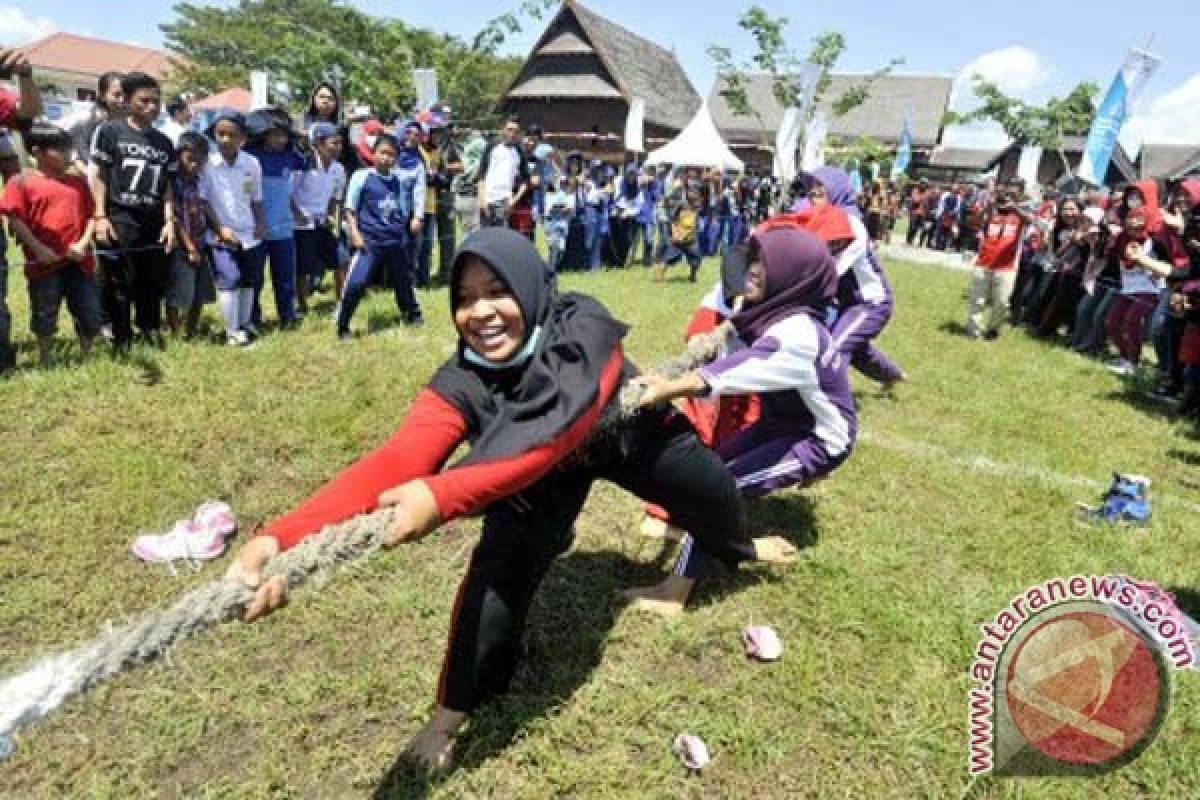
x=666, y=599
x=433, y=746
x=774, y=550
x=654, y=528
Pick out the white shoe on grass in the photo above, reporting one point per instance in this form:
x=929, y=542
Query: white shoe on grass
x=186, y=541
x=1124, y=367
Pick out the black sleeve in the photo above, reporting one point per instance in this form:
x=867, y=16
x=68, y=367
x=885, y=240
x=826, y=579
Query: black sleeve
x=523, y=170
x=103, y=145
x=486, y=162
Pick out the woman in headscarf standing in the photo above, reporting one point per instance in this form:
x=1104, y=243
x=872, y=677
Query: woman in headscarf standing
x=534, y=376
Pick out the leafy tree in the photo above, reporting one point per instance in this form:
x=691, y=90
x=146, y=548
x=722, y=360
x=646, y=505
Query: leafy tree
x=299, y=42
x=782, y=64
x=1027, y=124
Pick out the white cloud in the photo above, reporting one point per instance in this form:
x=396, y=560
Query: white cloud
x=17, y=27
x=1172, y=117
x=1017, y=70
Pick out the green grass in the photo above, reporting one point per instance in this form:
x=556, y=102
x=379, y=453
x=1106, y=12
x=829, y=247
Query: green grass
x=913, y=549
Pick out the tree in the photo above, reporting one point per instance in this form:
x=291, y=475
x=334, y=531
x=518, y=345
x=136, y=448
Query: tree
x=299, y=42
x=1027, y=124
x=783, y=65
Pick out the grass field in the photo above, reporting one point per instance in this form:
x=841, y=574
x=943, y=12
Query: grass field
x=910, y=546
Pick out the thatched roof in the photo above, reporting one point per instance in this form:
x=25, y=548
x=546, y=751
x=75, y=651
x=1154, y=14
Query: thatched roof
x=962, y=158
x=881, y=116
x=1168, y=161
x=582, y=54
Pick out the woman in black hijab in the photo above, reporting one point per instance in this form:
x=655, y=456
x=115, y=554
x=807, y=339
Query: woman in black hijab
x=535, y=376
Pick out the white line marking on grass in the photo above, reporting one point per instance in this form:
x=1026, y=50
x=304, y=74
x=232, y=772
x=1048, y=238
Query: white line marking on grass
x=988, y=466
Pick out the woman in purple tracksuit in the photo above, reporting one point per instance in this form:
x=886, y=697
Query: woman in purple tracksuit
x=783, y=353
x=864, y=300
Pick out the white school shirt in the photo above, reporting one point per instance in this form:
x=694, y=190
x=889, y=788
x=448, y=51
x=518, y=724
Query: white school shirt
x=857, y=257
x=231, y=191
x=503, y=167
x=313, y=190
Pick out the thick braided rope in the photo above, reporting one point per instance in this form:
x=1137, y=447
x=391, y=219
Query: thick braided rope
x=34, y=693
x=31, y=695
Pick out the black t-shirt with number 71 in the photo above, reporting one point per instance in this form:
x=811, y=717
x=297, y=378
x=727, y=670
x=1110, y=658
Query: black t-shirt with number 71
x=135, y=165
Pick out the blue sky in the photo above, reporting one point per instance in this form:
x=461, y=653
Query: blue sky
x=1034, y=48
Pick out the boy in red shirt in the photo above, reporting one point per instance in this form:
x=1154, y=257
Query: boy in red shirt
x=51, y=215
x=995, y=267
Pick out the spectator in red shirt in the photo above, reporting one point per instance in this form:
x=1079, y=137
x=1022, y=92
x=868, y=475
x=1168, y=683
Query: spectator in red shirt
x=51, y=215
x=995, y=267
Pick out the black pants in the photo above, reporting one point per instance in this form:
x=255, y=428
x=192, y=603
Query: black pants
x=446, y=236
x=662, y=461
x=135, y=277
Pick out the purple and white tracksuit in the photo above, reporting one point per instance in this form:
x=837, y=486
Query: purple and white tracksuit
x=865, y=303
x=808, y=424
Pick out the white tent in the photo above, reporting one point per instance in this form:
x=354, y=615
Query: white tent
x=697, y=145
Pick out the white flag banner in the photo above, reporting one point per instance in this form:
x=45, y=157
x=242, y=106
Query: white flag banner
x=258, y=90
x=786, y=140
x=1114, y=110
x=427, y=88
x=814, y=143
x=1027, y=170
x=635, y=125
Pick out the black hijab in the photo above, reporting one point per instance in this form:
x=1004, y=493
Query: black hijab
x=511, y=410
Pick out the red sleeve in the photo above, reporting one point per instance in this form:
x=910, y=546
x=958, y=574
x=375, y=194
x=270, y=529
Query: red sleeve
x=468, y=490
x=427, y=437
x=705, y=320
x=12, y=202
x=8, y=108
x=88, y=202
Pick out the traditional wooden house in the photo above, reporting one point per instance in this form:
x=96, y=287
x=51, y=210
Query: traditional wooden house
x=1057, y=167
x=1169, y=161
x=923, y=99
x=955, y=164
x=581, y=77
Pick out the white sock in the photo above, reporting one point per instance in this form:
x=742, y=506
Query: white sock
x=246, y=305
x=227, y=301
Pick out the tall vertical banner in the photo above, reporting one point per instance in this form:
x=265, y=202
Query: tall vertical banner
x=1028, y=165
x=814, y=142
x=426, y=83
x=786, y=140
x=903, y=150
x=1110, y=117
x=258, y=90
x=635, y=124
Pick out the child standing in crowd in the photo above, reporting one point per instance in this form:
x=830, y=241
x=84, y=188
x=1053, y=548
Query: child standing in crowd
x=270, y=142
x=51, y=216
x=994, y=270
x=433, y=180
x=135, y=214
x=384, y=206
x=231, y=186
x=560, y=208
x=191, y=285
x=684, y=238
x=318, y=193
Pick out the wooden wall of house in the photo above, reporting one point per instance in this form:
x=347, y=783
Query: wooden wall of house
x=571, y=116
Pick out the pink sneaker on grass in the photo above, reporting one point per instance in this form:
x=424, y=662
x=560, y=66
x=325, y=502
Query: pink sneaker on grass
x=187, y=540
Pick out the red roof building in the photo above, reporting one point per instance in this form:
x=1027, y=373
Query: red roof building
x=68, y=65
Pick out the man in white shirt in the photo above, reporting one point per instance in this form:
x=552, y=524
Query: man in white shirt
x=179, y=117
x=504, y=177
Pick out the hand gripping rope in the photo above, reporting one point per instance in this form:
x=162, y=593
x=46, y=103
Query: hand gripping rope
x=44, y=686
